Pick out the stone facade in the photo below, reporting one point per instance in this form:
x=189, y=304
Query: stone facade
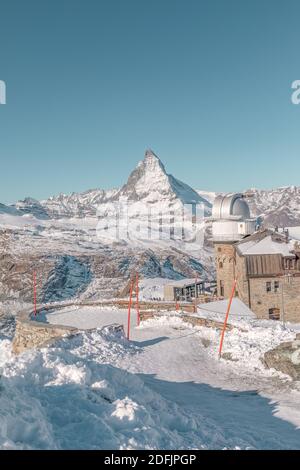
x=267, y=296
x=285, y=299
x=225, y=263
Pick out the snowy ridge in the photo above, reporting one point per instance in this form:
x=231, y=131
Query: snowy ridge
x=9, y=210
x=278, y=207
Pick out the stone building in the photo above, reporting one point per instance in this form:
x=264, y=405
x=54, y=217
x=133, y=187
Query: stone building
x=265, y=263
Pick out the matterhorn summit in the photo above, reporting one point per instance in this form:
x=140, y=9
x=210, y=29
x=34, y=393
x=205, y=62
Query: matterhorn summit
x=149, y=182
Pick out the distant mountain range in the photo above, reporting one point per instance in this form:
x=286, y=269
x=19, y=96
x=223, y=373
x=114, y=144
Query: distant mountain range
x=149, y=182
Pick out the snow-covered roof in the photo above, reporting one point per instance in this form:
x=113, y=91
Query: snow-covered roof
x=266, y=246
x=238, y=308
x=183, y=282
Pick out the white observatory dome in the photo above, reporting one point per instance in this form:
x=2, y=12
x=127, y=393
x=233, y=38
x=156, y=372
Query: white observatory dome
x=231, y=218
x=230, y=205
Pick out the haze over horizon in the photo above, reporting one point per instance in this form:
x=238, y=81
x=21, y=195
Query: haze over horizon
x=207, y=85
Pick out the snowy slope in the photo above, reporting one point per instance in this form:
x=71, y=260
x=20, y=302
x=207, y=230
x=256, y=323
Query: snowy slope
x=164, y=390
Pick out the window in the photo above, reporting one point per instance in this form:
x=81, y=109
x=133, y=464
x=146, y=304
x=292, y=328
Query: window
x=276, y=286
x=222, y=288
x=268, y=286
x=219, y=249
x=220, y=265
x=289, y=264
x=274, y=314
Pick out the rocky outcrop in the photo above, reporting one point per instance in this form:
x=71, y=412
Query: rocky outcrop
x=285, y=358
x=33, y=207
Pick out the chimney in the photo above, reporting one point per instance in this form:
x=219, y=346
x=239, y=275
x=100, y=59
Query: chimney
x=287, y=235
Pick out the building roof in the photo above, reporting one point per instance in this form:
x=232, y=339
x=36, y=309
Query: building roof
x=267, y=243
x=238, y=309
x=184, y=282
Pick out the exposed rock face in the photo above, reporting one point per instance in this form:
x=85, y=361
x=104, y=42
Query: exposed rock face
x=33, y=207
x=285, y=358
x=71, y=269
x=68, y=278
x=8, y=210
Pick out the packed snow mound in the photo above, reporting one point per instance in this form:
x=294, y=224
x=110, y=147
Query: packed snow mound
x=97, y=391
x=72, y=396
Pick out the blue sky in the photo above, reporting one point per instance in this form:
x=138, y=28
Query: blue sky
x=92, y=83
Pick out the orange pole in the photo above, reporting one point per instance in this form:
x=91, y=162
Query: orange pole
x=137, y=299
x=129, y=309
x=226, y=317
x=34, y=293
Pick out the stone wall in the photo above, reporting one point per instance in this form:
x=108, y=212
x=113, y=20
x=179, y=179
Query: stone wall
x=193, y=320
x=30, y=334
x=198, y=321
x=225, y=266
x=262, y=301
x=242, y=279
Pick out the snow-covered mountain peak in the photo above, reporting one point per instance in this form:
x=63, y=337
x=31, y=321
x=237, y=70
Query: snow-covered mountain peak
x=151, y=158
x=149, y=182
x=151, y=166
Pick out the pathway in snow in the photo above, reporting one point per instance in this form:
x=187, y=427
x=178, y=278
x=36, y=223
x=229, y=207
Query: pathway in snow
x=175, y=363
